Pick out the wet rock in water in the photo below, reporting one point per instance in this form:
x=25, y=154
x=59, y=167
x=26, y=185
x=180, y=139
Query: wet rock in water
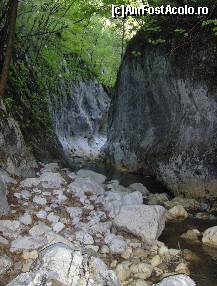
x=139, y=187
x=116, y=244
x=68, y=266
x=202, y=216
x=192, y=234
x=157, y=199
x=5, y=263
x=177, y=213
x=188, y=204
x=4, y=208
x=190, y=256
x=99, y=178
x=146, y=222
x=182, y=268
x=176, y=280
x=51, y=180
x=210, y=236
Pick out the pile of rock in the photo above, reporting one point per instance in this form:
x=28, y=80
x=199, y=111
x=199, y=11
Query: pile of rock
x=78, y=229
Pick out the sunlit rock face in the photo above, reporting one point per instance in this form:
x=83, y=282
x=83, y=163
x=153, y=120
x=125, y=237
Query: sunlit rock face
x=14, y=155
x=163, y=116
x=80, y=118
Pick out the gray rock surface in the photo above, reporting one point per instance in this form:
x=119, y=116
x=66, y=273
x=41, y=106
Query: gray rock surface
x=3, y=198
x=85, y=185
x=6, y=178
x=177, y=280
x=52, y=180
x=5, y=264
x=14, y=156
x=114, y=200
x=80, y=119
x=163, y=115
x=67, y=266
x=210, y=236
x=99, y=178
x=115, y=243
x=139, y=187
x=10, y=228
x=146, y=222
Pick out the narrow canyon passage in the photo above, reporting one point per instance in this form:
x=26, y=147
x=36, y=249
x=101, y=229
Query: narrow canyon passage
x=108, y=144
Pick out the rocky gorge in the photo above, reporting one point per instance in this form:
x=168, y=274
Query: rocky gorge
x=80, y=228
x=103, y=187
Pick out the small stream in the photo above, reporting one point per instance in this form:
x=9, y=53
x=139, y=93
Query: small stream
x=204, y=270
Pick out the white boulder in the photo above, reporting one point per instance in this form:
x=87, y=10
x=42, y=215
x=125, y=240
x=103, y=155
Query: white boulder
x=115, y=243
x=99, y=178
x=51, y=180
x=64, y=265
x=146, y=222
x=139, y=187
x=83, y=186
x=210, y=236
x=177, y=280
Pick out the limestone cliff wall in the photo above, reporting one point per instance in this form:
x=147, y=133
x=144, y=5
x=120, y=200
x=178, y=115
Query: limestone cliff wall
x=163, y=117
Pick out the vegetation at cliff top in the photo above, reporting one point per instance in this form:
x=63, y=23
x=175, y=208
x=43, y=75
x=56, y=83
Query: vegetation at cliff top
x=64, y=40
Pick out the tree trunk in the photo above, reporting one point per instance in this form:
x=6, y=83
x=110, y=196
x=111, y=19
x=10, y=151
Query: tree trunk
x=122, y=40
x=10, y=31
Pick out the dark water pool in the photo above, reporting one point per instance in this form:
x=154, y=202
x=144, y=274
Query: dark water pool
x=204, y=271
x=125, y=178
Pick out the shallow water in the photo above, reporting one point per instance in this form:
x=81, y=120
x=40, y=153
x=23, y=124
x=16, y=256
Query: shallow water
x=204, y=271
x=125, y=178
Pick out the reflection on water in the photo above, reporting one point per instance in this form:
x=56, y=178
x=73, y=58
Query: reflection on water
x=125, y=178
x=204, y=271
